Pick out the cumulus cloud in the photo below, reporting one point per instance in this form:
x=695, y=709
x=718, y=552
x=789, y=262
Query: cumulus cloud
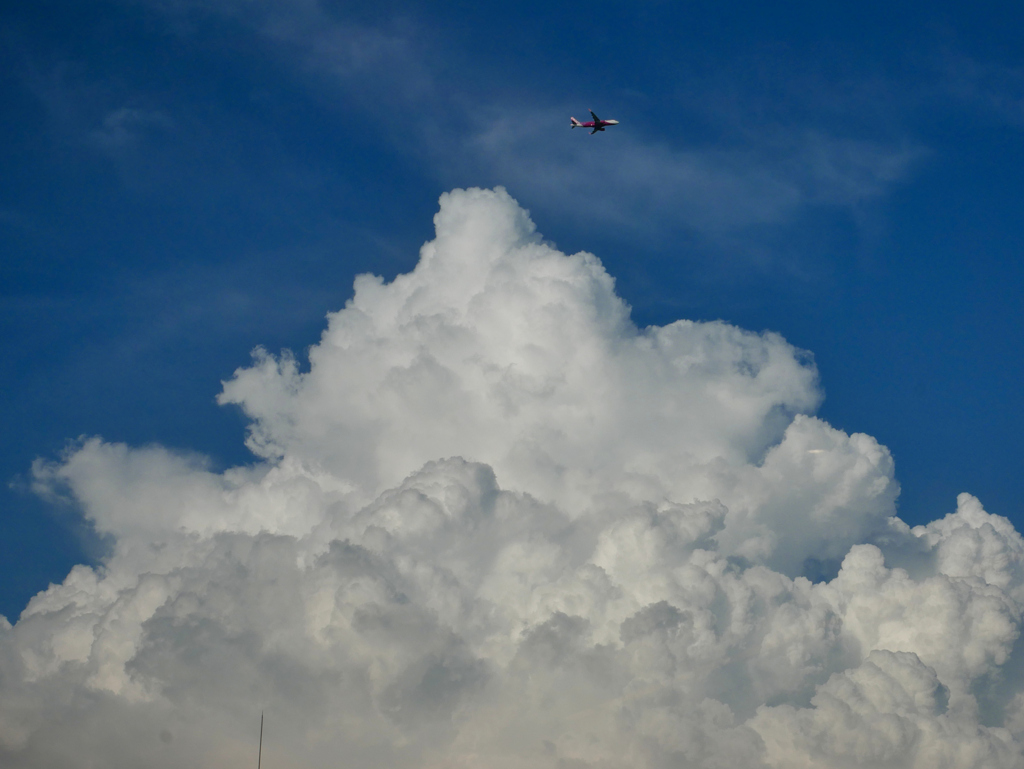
x=495, y=523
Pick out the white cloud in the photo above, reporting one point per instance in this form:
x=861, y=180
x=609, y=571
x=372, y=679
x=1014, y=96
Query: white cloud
x=638, y=183
x=989, y=86
x=497, y=524
x=400, y=73
x=121, y=129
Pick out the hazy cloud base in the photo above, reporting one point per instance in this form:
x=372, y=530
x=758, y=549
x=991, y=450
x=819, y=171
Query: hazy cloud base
x=495, y=524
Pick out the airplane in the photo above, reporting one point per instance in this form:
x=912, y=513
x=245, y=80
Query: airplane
x=597, y=124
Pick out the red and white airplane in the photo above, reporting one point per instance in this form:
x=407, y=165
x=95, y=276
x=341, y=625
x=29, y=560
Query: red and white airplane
x=597, y=124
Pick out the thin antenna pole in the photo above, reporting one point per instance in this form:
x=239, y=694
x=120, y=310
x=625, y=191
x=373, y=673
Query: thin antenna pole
x=259, y=759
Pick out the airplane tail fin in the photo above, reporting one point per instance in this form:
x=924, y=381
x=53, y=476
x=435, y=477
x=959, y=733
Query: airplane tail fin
x=573, y=122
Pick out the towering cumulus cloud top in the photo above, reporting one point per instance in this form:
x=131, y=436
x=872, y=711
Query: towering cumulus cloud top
x=495, y=524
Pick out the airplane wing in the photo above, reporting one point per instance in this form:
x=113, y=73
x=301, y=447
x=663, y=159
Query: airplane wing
x=596, y=129
x=596, y=118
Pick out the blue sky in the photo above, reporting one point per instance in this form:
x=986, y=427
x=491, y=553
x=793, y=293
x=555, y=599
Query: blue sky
x=185, y=181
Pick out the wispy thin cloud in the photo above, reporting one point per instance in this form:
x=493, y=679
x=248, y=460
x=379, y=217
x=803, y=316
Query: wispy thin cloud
x=635, y=184
x=124, y=128
x=993, y=88
x=757, y=175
